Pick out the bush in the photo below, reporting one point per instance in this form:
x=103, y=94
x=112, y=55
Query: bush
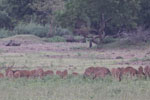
x=5, y=33
x=138, y=36
x=62, y=31
x=5, y=20
x=55, y=39
x=32, y=28
x=145, y=13
x=109, y=39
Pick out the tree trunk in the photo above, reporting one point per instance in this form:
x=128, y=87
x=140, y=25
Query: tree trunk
x=51, y=28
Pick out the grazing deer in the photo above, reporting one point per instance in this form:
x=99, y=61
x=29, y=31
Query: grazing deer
x=116, y=73
x=147, y=71
x=48, y=72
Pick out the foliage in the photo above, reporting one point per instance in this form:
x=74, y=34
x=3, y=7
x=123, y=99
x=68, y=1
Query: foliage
x=5, y=20
x=55, y=39
x=18, y=9
x=109, y=39
x=32, y=28
x=69, y=14
x=145, y=13
x=5, y=33
x=123, y=13
x=62, y=31
x=47, y=7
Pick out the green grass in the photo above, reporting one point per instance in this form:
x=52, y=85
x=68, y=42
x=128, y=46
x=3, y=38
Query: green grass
x=79, y=60
x=74, y=88
x=146, y=58
x=122, y=44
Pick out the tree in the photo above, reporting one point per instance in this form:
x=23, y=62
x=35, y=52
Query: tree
x=88, y=32
x=18, y=9
x=88, y=13
x=49, y=8
x=5, y=20
x=144, y=14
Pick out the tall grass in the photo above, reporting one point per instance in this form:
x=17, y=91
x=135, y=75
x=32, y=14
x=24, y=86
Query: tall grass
x=5, y=33
x=74, y=88
x=32, y=28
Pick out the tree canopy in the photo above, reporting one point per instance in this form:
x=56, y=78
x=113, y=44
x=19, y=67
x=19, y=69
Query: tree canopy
x=75, y=14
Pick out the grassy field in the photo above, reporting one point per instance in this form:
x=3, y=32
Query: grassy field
x=75, y=57
x=73, y=60
x=74, y=88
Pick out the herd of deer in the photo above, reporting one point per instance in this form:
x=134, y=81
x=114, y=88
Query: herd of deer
x=92, y=72
x=118, y=73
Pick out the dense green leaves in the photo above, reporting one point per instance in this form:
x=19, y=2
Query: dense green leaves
x=5, y=20
x=145, y=13
x=123, y=12
x=19, y=9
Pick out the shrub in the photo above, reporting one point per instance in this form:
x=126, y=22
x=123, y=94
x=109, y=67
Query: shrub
x=109, y=39
x=62, y=31
x=5, y=20
x=5, y=33
x=55, y=39
x=138, y=36
x=32, y=28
